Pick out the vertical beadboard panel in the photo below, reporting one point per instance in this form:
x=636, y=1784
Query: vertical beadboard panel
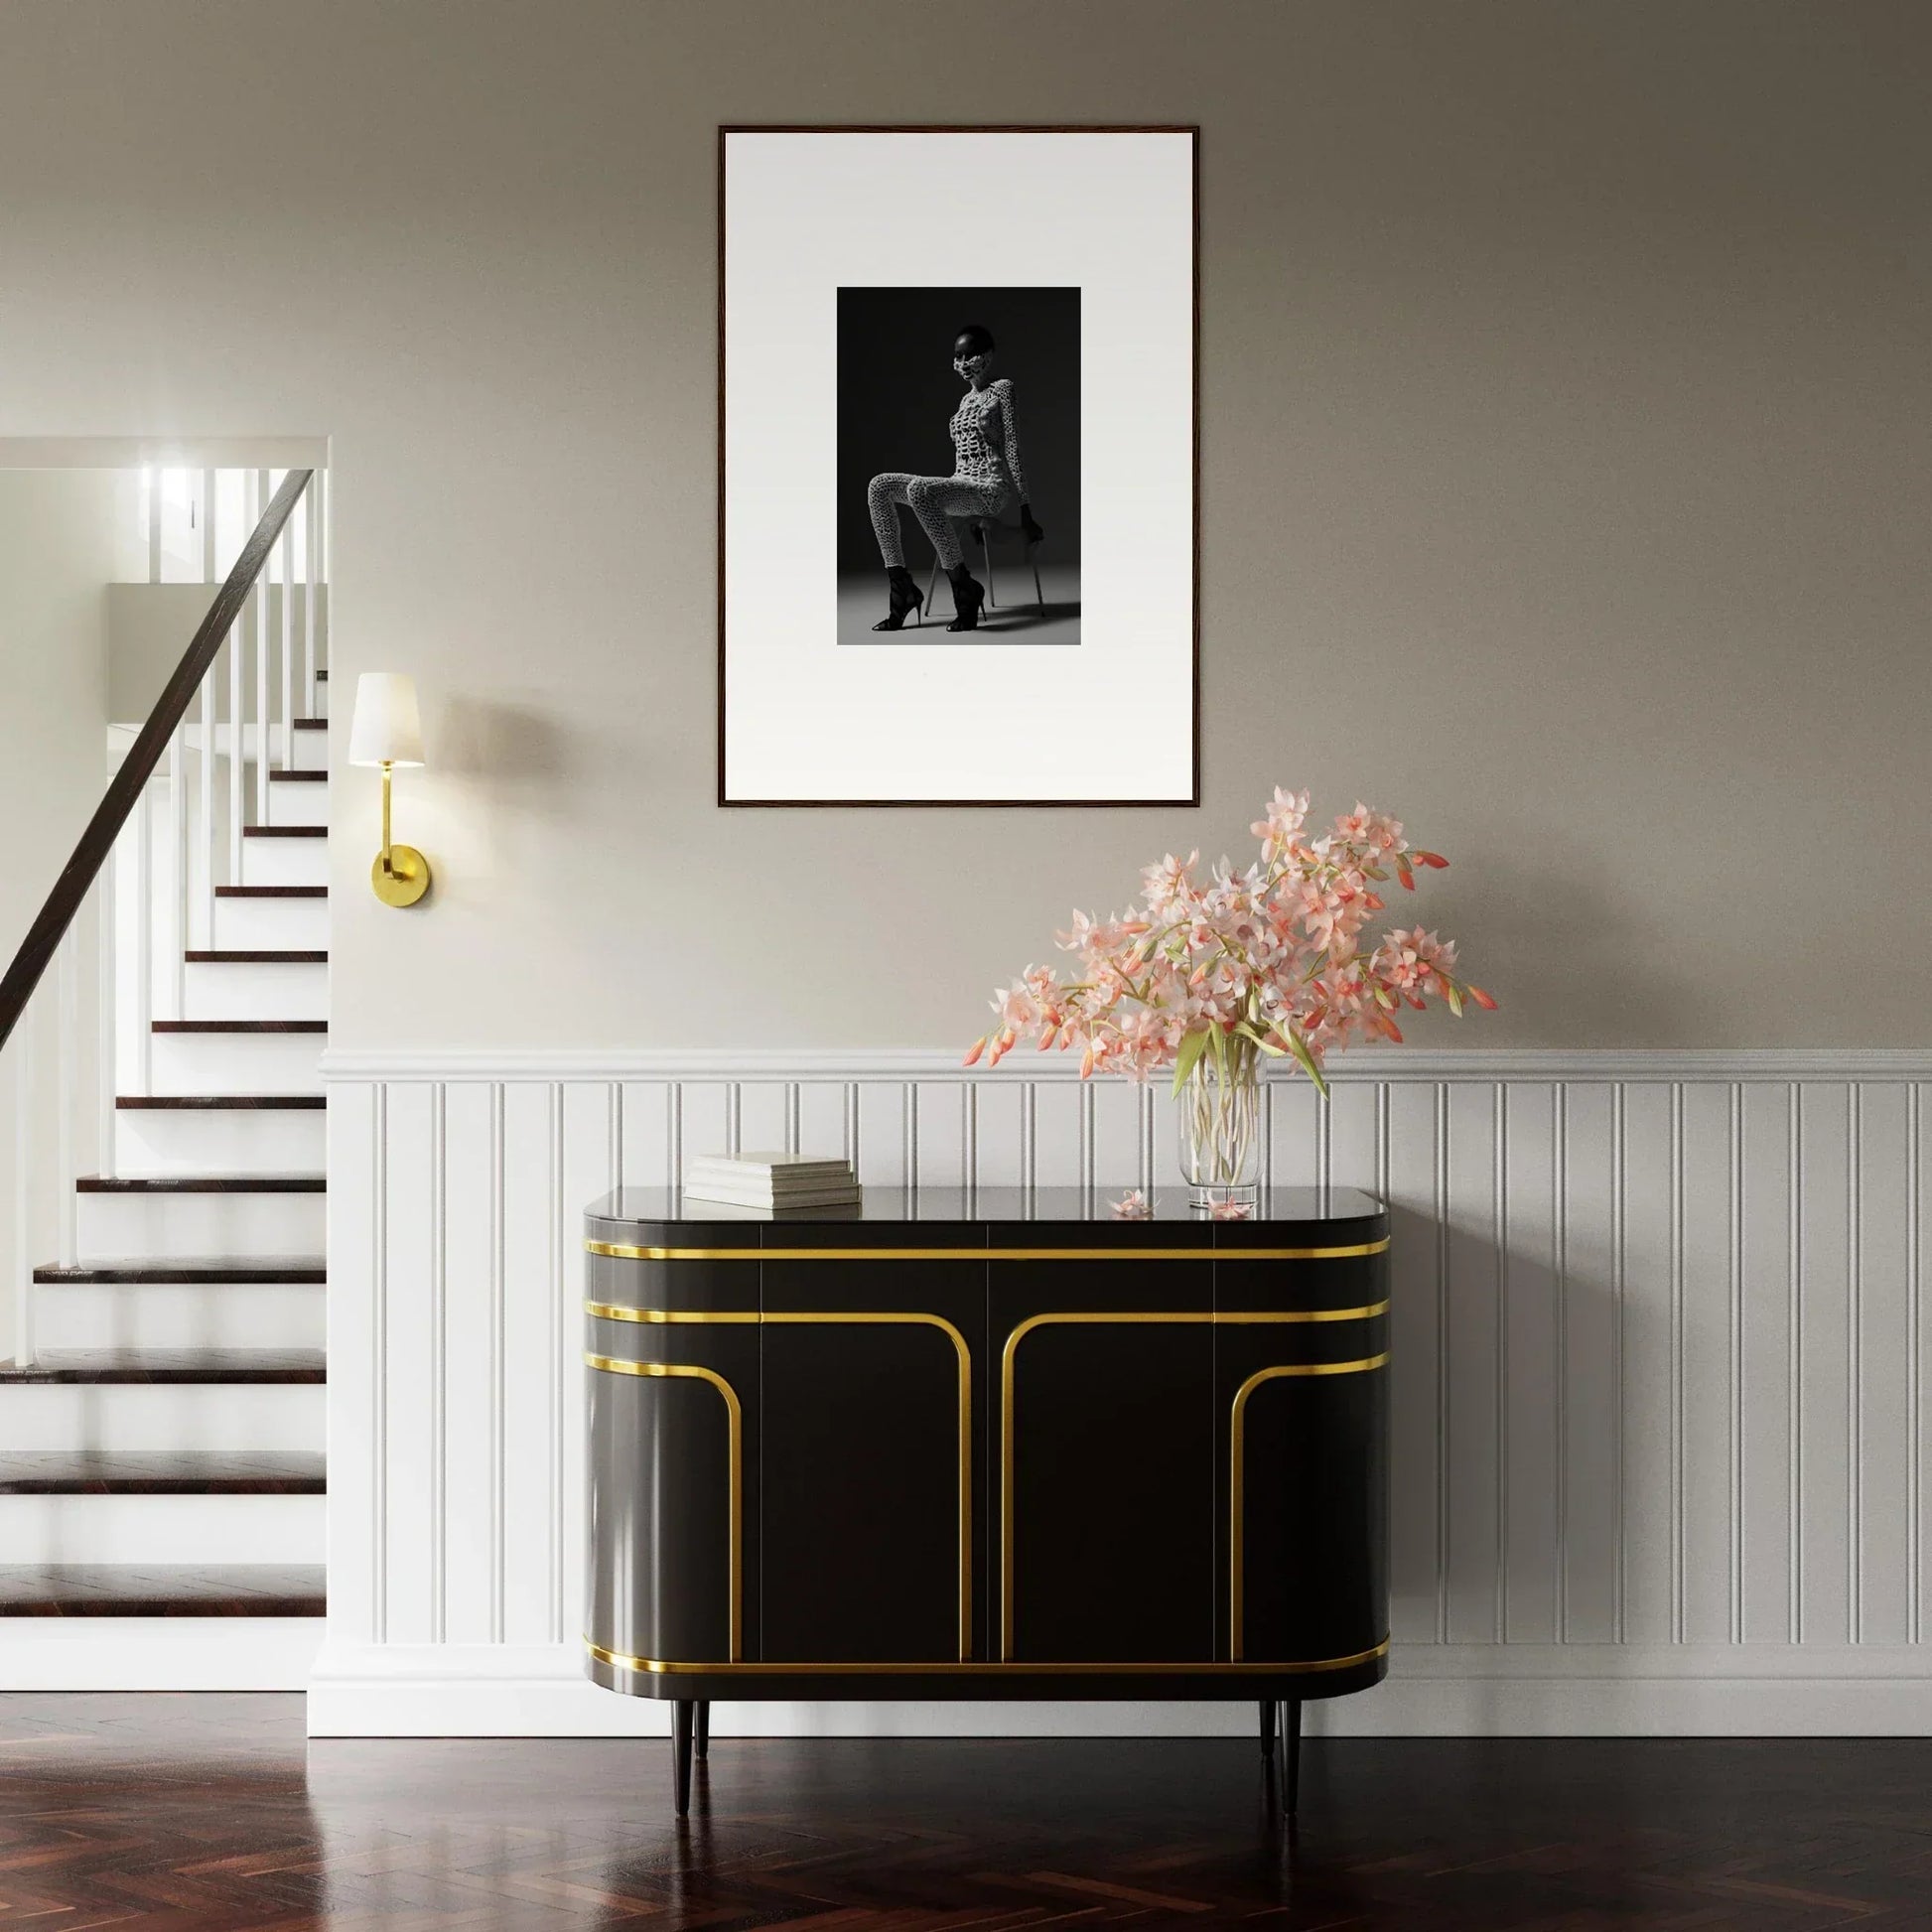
x=939, y=1139
x=1000, y=1134
x=824, y=1121
x=1766, y=1364
x=471, y=1352
x=1649, y=1509
x=356, y=1503
x=1057, y=1145
x=707, y=1119
x=883, y=1126
x=1117, y=1152
x=1476, y=1339
x=1418, y=1321
x=531, y=1111
x=412, y=1552
x=764, y=1116
x=1587, y=1307
x=1827, y=1599
x=1660, y=1355
x=648, y=1133
x=1882, y=1442
x=1706, y=1393
x=1354, y=1134
x=1532, y=1440
x=586, y=1153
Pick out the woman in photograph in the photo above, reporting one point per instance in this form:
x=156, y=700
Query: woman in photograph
x=987, y=477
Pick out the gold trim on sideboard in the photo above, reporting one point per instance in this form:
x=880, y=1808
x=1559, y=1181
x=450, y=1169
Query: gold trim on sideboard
x=734, y=1424
x=1208, y=1316
x=612, y=1311
x=656, y=1667
x=618, y=1251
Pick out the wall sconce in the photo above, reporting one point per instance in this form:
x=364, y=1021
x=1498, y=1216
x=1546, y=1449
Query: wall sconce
x=387, y=731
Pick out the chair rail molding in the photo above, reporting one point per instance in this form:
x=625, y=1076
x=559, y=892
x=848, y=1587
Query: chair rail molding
x=1660, y=1444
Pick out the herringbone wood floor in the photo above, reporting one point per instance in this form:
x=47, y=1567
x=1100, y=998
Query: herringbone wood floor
x=210, y=1811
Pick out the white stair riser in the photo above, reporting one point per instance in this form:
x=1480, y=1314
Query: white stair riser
x=272, y=924
x=310, y=752
x=129, y=1416
x=218, y=1227
x=161, y=1529
x=160, y=1653
x=285, y=862
x=239, y=1140
x=238, y=1063
x=255, y=990
x=178, y=1315
x=297, y=804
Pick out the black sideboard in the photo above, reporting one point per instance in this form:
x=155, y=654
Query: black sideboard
x=1005, y=1447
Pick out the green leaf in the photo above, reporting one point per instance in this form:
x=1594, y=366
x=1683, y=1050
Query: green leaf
x=1192, y=1049
x=1266, y=1045
x=1455, y=999
x=1299, y=1047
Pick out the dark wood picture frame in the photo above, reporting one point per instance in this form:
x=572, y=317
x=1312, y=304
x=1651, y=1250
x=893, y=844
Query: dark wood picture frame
x=1192, y=131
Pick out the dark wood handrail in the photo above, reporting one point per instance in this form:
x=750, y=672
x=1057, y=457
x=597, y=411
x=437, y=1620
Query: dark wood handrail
x=137, y=768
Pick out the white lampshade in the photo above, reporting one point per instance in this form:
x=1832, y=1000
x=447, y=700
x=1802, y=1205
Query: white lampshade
x=387, y=730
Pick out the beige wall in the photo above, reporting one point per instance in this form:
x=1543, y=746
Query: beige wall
x=1565, y=472
x=57, y=529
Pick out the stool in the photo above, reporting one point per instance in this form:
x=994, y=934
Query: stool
x=980, y=527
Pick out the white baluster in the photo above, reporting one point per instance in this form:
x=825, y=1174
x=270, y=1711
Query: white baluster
x=157, y=478
x=206, y=839
x=325, y=562
x=210, y=493
x=66, y=1067
x=144, y=943
x=311, y=510
x=288, y=646
x=21, y=1340
x=237, y=643
x=105, y=906
x=264, y=707
x=178, y=891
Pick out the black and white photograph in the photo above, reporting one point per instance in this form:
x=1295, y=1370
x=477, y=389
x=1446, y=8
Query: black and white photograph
x=957, y=466
x=959, y=438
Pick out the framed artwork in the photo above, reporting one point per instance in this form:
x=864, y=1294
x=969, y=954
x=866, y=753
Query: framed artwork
x=958, y=525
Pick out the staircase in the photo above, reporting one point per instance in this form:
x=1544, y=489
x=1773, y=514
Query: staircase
x=162, y=1432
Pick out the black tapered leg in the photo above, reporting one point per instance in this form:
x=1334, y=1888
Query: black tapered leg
x=1291, y=1754
x=1268, y=1728
x=681, y=1714
x=703, y=1745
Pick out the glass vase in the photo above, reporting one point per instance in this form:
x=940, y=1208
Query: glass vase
x=1220, y=1130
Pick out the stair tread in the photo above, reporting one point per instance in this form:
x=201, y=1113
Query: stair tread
x=298, y=777
x=224, y=1365
x=201, y=1184
x=271, y=892
x=216, y=1271
x=285, y=831
x=312, y=724
x=265, y=1102
x=253, y=956
x=240, y=1025
x=162, y=1473
x=163, y=1589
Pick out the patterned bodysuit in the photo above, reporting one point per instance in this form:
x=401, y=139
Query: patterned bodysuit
x=978, y=486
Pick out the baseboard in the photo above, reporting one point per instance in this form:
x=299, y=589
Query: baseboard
x=1447, y=1691
x=157, y=1653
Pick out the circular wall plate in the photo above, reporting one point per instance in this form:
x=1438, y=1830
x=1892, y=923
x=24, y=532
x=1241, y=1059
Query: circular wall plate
x=404, y=880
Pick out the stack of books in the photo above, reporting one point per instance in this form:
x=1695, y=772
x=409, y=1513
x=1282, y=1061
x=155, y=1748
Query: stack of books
x=779, y=1182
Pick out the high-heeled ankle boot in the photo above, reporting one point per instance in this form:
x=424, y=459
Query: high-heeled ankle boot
x=902, y=595
x=968, y=594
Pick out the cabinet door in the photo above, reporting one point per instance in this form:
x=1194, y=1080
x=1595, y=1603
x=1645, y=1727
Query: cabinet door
x=1301, y=1416
x=874, y=1404
x=1106, y=1484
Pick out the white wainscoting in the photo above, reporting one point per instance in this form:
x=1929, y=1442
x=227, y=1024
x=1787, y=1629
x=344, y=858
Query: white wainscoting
x=1659, y=1369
